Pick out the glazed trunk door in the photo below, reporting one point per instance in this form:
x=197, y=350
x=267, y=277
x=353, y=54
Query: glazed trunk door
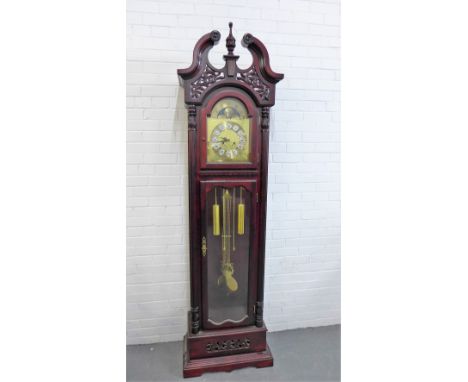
x=228, y=221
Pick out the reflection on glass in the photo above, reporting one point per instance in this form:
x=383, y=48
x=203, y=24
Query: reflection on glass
x=228, y=235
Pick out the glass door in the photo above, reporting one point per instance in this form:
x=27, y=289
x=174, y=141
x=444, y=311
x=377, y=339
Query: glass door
x=228, y=214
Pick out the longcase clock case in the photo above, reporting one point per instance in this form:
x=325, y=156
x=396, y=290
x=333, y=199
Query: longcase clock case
x=228, y=132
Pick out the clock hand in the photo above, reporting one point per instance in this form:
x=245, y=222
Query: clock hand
x=224, y=140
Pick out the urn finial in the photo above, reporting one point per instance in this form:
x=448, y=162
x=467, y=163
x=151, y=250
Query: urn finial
x=230, y=41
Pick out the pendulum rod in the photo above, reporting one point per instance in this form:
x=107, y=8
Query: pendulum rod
x=224, y=224
x=228, y=227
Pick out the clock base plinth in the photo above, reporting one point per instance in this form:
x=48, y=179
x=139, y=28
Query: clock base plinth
x=225, y=349
x=196, y=367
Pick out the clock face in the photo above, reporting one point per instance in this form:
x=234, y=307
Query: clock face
x=228, y=140
x=228, y=132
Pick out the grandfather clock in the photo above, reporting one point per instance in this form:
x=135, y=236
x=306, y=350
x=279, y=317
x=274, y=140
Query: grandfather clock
x=228, y=126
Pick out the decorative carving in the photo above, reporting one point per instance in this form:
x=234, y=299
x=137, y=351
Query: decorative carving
x=230, y=58
x=251, y=78
x=192, y=117
x=234, y=344
x=204, y=247
x=230, y=41
x=248, y=38
x=215, y=36
x=261, y=58
x=195, y=319
x=265, y=117
x=208, y=78
x=259, y=314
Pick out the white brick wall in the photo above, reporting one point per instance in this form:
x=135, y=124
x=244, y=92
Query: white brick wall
x=303, y=225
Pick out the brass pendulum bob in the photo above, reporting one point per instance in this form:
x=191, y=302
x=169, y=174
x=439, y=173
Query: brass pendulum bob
x=240, y=215
x=231, y=281
x=216, y=215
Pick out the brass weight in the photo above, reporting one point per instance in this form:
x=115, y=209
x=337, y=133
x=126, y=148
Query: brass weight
x=240, y=215
x=216, y=229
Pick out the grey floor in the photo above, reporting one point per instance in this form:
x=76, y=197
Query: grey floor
x=311, y=355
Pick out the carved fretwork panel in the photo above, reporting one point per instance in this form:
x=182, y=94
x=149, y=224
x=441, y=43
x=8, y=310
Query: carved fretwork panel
x=231, y=344
x=251, y=78
x=209, y=77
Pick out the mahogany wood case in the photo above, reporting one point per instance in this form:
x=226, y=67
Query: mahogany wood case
x=226, y=344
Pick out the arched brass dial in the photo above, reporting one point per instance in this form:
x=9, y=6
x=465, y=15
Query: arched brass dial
x=228, y=132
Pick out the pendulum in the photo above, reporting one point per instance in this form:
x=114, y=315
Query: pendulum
x=227, y=267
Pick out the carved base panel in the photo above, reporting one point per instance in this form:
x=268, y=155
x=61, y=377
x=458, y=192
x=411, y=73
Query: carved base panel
x=196, y=367
x=225, y=349
x=215, y=343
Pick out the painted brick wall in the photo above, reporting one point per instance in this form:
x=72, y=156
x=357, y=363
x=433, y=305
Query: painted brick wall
x=303, y=225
